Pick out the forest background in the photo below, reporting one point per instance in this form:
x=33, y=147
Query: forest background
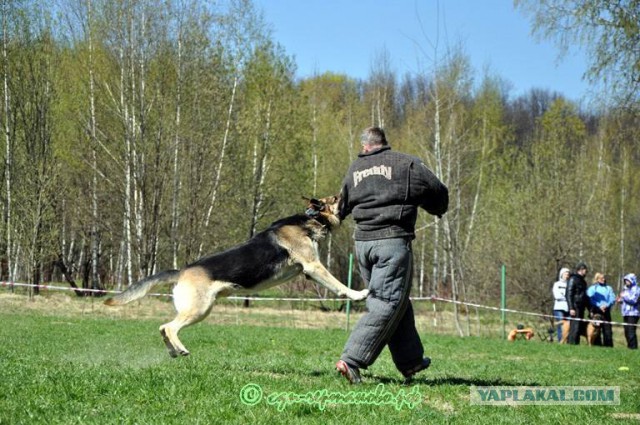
x=138, y=136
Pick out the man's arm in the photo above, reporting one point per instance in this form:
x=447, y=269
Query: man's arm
x=571, y=289
x=343, y=206
x=427, y=191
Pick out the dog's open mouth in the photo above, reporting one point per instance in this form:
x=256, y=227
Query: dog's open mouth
x=315, y=207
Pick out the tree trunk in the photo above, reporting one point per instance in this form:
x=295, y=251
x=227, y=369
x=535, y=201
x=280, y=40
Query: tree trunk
x=8, y=151
x=175, y=242
x=223, y=148
x=623, y=197
x=95, y=280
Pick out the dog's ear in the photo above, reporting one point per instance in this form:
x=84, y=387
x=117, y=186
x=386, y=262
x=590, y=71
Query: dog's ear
x=313, y=201
x=329, y=200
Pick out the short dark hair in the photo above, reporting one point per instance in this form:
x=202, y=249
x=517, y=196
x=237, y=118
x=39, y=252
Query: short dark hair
x=373, y=136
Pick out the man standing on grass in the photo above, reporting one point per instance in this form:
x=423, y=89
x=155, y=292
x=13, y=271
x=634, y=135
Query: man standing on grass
x=578, y=301
x=383, y=190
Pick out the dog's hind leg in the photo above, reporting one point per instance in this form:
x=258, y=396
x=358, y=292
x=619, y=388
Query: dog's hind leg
x=169, y=331
x=193, y=303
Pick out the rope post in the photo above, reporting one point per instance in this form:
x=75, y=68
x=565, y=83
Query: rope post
x=349, y=286
x=503, y=302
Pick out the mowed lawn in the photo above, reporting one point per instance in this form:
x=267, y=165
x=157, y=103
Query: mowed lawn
x=59, y=368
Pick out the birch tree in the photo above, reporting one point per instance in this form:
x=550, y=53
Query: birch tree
x=243, y=29
x=8, y=145
x=33, y=99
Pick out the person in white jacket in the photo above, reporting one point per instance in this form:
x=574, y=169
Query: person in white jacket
x=560, y=306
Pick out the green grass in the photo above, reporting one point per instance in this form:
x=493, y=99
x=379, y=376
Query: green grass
x=89, y=368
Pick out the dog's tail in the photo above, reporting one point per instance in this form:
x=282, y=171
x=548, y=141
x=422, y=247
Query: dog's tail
x=141, y=288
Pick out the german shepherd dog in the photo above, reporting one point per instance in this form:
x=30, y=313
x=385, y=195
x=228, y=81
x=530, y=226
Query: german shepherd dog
x=594, y=328
x=590, y=330
x=283, y=251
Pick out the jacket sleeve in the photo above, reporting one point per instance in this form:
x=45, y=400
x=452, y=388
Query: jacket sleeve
x=426, y=190
x=343, y=206
x=571, y=289
x=591, y=290
x=611, y=298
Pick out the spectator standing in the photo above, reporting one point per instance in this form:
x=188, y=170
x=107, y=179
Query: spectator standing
x=560, y=306
x=601, y=299
x=577, y=301
x=629, y=300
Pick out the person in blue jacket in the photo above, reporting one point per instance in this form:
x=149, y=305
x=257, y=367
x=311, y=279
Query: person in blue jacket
x=629, y=300
x=602, y=298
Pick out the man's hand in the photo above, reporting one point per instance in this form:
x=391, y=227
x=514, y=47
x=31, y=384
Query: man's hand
x=572, y=313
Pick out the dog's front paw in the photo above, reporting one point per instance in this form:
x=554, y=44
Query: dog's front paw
x=359, y=295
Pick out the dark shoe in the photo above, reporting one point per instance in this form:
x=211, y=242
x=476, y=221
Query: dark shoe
x=408, y=374
x=352, y=373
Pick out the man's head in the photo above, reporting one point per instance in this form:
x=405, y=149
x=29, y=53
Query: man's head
x=372, y=138
x=581, y=269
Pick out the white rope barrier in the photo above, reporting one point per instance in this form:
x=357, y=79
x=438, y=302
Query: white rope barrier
x=526, y=313
x=241, y=298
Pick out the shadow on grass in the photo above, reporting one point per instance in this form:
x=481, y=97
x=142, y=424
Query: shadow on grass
x=454, y=380
x=444, y=380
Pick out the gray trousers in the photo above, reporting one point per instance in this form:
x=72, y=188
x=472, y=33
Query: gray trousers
x=386, y=267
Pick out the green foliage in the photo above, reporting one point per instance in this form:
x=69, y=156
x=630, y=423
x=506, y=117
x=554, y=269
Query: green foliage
x=197, y=134
x=608, y=29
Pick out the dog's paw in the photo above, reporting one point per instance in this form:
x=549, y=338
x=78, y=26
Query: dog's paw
x=360, y=295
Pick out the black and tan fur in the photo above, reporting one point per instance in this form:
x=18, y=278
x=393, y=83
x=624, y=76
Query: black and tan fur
x=590, y=330
x=278, y=254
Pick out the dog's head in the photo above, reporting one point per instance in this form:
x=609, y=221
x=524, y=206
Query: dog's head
x=597, y=320
x=324, y=210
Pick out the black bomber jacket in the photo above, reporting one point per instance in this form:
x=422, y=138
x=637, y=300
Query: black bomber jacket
x=383, y=190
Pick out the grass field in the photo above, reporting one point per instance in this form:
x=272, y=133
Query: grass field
x=72, y=361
